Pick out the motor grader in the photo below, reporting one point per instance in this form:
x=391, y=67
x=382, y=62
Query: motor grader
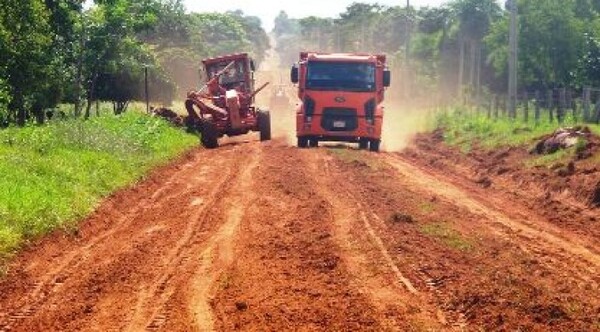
x=225, y=104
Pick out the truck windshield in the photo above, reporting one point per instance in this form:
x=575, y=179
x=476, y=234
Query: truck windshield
x=349, y=76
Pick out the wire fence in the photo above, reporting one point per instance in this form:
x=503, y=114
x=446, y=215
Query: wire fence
x=553, y=105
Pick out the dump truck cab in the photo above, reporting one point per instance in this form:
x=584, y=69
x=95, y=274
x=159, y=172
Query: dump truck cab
x=341, y=98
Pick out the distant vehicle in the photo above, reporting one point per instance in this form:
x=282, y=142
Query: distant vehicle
x=341, y=96
x=279, y=99
x=225, y=103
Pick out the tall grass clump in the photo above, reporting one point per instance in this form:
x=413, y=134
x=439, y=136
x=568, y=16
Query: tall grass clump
x=53, y=175
x=464, y=128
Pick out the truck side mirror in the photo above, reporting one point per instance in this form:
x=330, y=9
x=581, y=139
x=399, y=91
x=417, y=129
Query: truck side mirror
x=387, y=78
x=294, y=76
x=252, y=65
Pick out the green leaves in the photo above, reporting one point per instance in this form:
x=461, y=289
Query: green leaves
x=550, y=38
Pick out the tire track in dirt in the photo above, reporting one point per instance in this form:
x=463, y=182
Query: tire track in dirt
x=155, y=295
x=182, y=183
x=219, y=254
x=372, y=266
x=54, y=278
x=478, y=276
x=536, y=232
x=288, y=273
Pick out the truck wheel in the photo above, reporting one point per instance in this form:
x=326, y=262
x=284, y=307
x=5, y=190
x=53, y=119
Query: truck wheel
x=363, y=144
x=302, y=142
x=209, y=135
x=264, y=125
x=374, y=145
x=314, y=143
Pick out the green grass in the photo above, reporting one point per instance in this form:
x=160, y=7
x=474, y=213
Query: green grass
x=464, y=129
x=349, y=155
x=427, y=207
x=53, y=175
x=549, y=160
x=444, y=232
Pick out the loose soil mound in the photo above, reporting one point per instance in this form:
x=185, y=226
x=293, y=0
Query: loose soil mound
x=169, y=115
x=567, y=190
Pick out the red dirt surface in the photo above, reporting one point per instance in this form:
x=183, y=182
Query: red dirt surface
x=265, y=237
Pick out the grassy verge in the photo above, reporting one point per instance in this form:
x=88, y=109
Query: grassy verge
x=464, y=129
x=53, y=175
x=444, y=232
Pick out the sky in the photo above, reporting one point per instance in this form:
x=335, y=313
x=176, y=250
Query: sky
x=267, y=10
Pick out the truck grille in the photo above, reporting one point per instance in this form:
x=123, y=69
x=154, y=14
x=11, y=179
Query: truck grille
x=339, y=119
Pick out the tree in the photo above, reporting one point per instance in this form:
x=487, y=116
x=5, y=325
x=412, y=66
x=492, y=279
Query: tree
x=284, y=25
x=550, y=41
x=357, y=26
x=256, y=35
x=588, y=67
x=28, y=66
x=317, y=33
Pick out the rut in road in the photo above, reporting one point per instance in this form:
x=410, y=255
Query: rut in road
x=103, y=281
x=527, y=226
x=289, y=272
x=478, y=272
x=372, y=267
x=263, y=236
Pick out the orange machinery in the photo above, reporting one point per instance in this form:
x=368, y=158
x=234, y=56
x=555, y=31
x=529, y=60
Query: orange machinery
x=341, y=98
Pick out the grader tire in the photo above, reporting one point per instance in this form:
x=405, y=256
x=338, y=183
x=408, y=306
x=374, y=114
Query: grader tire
x=264, y=125
x=209, y=135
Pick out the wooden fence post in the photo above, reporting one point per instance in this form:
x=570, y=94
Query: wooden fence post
x=587, y=100
x=562, y=105
x=572, y=104
x=526, y=106
x=549, y=102
x=496, y=107
x=596, y=118
x=537, y=106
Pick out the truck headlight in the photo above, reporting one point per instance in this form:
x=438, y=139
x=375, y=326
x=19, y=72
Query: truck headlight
x=309, y=106
x=370, y=111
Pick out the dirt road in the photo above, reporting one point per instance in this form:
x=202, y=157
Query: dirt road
x=262, y=237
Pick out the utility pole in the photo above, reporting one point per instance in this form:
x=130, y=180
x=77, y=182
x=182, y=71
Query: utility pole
x=407, y=51
x=407, y=41
x=146, y=89
x=513, y=59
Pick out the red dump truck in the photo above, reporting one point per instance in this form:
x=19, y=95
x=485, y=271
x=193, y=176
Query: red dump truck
x=341, y=98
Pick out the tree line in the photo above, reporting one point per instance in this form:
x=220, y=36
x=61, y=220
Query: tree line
x=461, y=48
x=78, y=52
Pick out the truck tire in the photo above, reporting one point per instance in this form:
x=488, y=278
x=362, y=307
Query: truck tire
x=264, y=125
x=209, y=135
x=363, y=144
x=313, y=143
x=374, y=145
x=302, y=142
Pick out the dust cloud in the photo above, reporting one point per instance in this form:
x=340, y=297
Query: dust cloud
x=401, y=120
x=283, y=116
x=401, y=123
